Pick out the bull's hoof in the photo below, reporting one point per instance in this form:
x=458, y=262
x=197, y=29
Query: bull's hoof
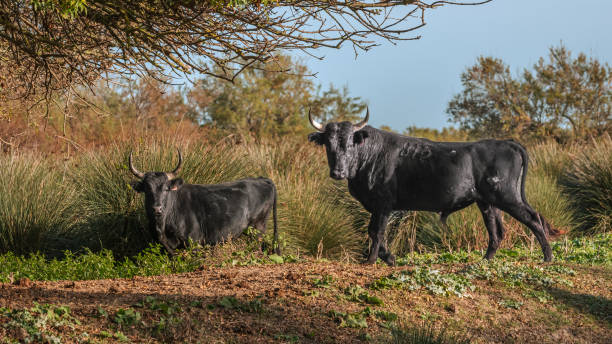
x=390, y=260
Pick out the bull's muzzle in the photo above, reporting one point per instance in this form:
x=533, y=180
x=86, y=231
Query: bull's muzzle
x=337, y=175
x=158, y=210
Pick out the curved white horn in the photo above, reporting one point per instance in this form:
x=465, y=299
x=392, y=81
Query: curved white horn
x=172, y=175
x=314, y=123
x=133, y=169
x=363, y=123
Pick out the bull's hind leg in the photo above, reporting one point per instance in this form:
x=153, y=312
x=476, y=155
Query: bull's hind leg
x=385, y=254
x=492, y=220
x=260, y=226
x=530, y=218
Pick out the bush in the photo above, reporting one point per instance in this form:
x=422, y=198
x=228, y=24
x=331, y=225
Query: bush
x=588, y=183
x=36, y=203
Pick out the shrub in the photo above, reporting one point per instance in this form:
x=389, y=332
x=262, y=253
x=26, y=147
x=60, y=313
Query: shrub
x=588, y=183
x=36, y=203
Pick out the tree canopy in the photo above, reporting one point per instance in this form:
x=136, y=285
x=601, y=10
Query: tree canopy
x=50, y=45
x=562, y=97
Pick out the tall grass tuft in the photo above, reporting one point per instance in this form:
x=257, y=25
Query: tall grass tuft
x=588, y=183
x=551, y=158
x=424, y=334
x=113, y=214
x=315, y=215
x=36, y=203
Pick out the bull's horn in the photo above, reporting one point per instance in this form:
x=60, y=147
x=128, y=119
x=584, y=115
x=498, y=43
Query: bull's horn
x=172, y=174
x=314, y=123
x=363, y=123
x=133, y=169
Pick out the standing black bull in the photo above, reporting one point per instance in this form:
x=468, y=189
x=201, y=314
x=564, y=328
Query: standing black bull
x=207, y=214
x=387, y=172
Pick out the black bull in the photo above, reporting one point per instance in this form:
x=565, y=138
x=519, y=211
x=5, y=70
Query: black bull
x=207, y=214
x=388, y=172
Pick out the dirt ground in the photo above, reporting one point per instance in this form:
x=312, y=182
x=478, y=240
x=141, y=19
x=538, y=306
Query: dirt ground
x=288, y=303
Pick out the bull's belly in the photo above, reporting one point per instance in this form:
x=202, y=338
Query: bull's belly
x=436, y=198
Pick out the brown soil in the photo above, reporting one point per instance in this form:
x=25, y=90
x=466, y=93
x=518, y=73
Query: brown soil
x=293, y=309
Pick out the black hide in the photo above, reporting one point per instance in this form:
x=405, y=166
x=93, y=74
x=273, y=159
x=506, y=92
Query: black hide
x=388, y=172
x=207, y=214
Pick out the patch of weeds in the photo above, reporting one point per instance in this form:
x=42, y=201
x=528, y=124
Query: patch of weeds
x=37, y=323
x=164, y=307
x=385, y=282
x=287, y=338
x=248, y=257
x=229, y=302
x=352, y=320
x=323, y=282
x=516, y=274
x=386, y=316
x=540, y=295
x=439, y=258
x=431, y=280
x=196, y=303
x=117, y=335
x=424, y=334
x=510, y=303
x=252, y=306
x=356, y=293
x=101, y=312
x=126, y=317
x=164, y=325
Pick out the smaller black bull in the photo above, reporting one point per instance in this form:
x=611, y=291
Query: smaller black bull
x=387, y=172
x=206, y=214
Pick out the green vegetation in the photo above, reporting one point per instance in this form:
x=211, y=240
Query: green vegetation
x=38, y=324
x=589, y=181
x=564, y=98
x=36, y=204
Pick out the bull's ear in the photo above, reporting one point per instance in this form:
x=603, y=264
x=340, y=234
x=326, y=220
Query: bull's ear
x=359, y=137
x=175, y=184
x=317, y=138
x=137, y=186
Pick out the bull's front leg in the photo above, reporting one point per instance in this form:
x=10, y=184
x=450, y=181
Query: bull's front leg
x=161, y=237
x=376, y=231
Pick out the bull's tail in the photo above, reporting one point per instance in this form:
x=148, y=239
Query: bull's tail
x=548, y=228
x=276, y=243
x=525, y=158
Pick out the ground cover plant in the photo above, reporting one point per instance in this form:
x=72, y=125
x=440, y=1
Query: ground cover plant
x=431, y=298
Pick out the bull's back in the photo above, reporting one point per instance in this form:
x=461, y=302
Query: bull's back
x=450, y=176
x=225, y=210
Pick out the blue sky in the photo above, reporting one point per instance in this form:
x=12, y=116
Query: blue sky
x=412, y=82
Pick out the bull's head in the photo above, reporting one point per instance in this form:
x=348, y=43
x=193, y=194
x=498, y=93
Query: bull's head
x=341, y=140
x=156, y=186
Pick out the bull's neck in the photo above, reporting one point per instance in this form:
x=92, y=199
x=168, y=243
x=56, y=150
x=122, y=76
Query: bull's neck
x=369, y=152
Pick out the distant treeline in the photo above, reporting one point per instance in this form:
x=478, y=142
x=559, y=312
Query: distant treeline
x=563, y=98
